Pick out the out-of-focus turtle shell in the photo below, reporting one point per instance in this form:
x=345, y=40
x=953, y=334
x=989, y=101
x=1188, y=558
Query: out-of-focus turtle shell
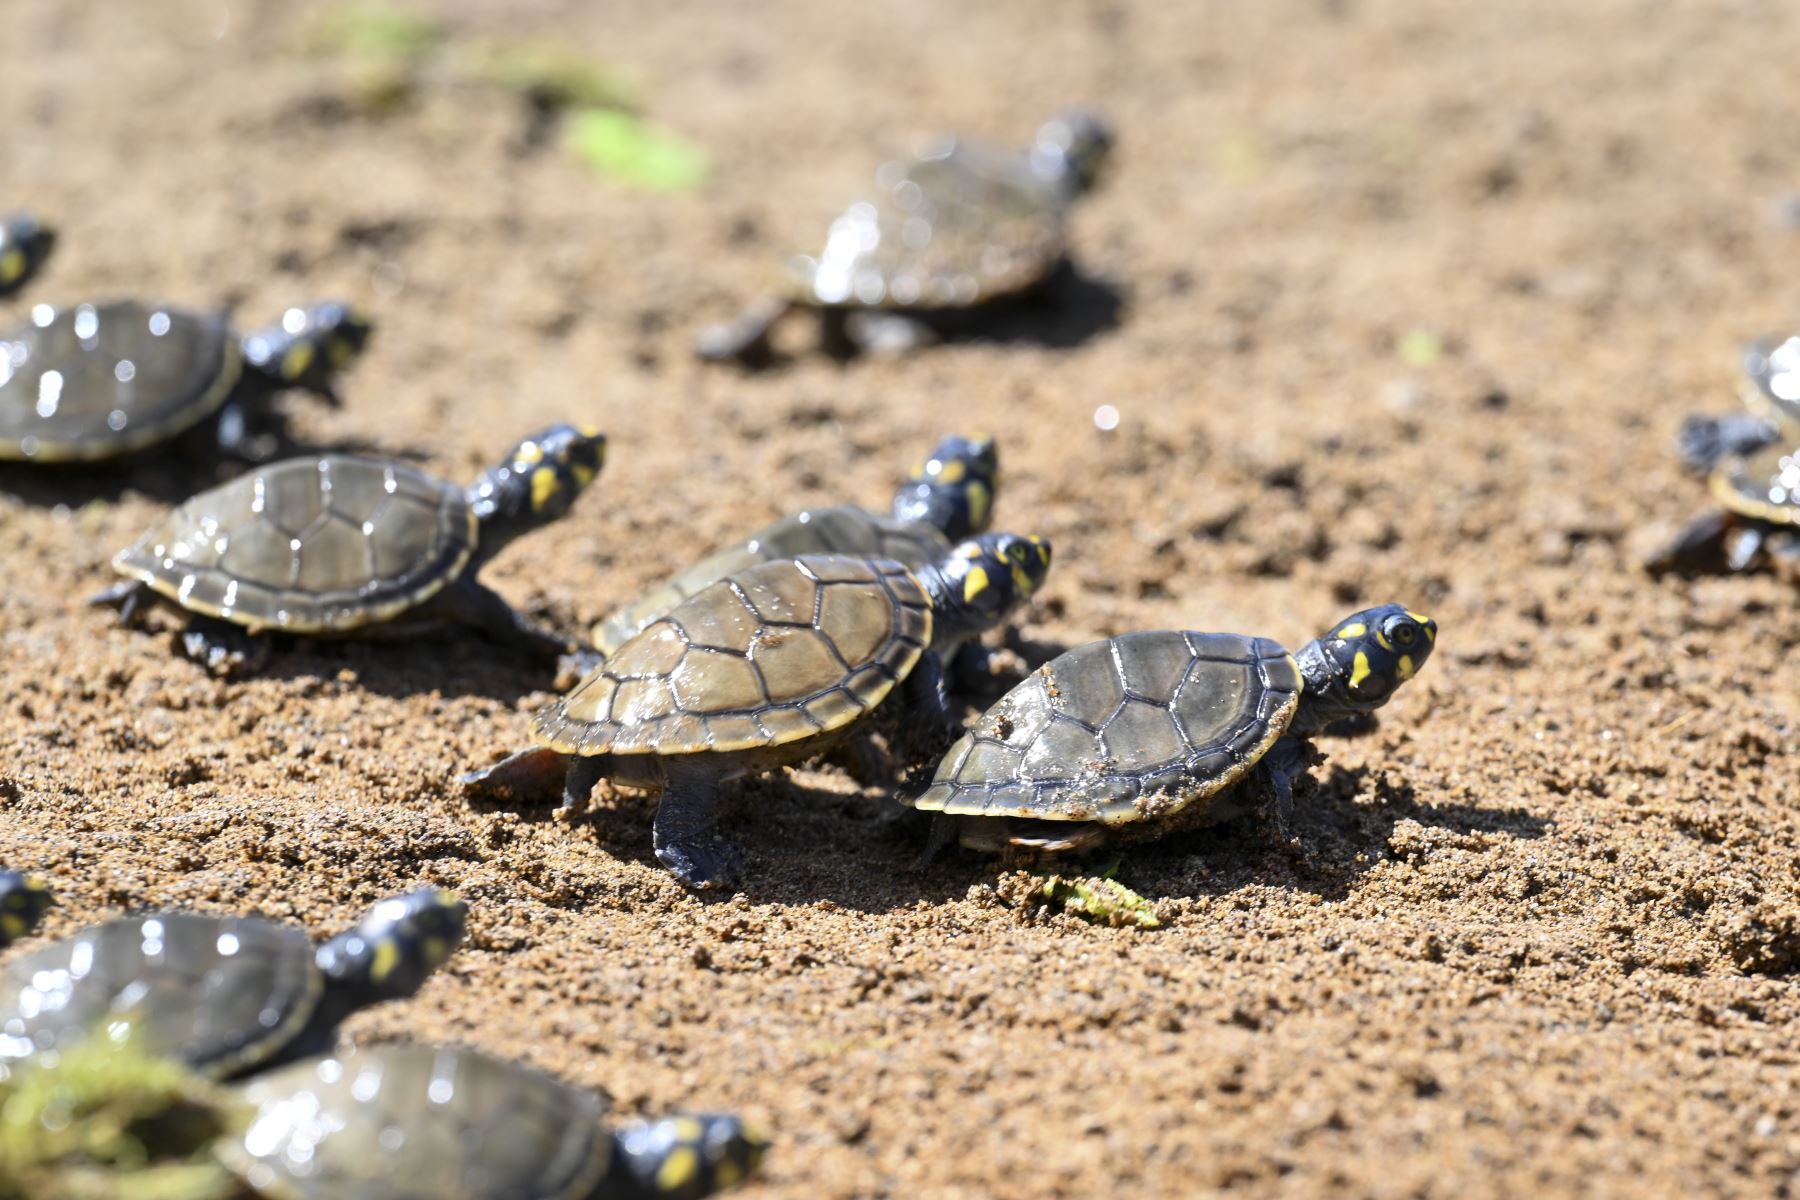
x=842, y=530
x=99, y=380
x=436, y=1121
x=1764, y=484
x=309, y=545
x=1131, y=728
x=783, y=651
x=960, y=226
x=218, y=993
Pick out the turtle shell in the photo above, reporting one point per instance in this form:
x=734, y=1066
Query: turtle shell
x=414, y=1120
x=219, y=993
x=99, y=380
x=783, y=651
x=843, y=530
x=1774, y=370
x=309, y=545
x=960, y=226
x=1764, y=485
x=1128, y=729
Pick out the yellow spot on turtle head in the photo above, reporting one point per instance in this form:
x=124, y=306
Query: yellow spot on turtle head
x=918, y=471
x=976, y=583
x=544, y=486
x=298, y=357
x=688, y=1129
x=36, y=883
x=1022, y=581
x=728, y=1173
x=1382, y=638
x=954, y=471
x=528, y=452
x=1406, y=667
x=1354, y=629
x=340, y=351
x=436, y=950
x=448, y=898
x=12, y=265
x=1043, y=548
x=583, y=473
x=590, y=432
x=980, y=500
x=387, y=957
x=13, y=926
x=678, y=1169
x=1359, y=670
x=1425, y=623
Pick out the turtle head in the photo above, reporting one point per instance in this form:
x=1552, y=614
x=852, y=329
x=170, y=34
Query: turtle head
x=396, y=947
x=953, y=489
x=538, y=481
x=24, y=899
x=691, y=1155
x=308, y=346
x=1358, y=665
x=981, y=582
x=24, y=245
x=1071, y=149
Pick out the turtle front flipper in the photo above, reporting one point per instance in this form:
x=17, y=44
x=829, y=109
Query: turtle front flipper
x=1713, y=542
x=682, y=1158
x=685, y=829
x=128, y=597
x=24, y=899
x=534, y=773
x=223, y=648
x=1703, y=441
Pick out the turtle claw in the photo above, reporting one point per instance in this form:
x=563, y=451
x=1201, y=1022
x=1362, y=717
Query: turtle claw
x=704, y=864
x=224, y=649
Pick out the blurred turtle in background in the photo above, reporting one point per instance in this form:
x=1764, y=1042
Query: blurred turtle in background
x=96, y=381
x=24, y=899
x=343, y=546
x=1771, y=398
x=961, y=226
x=222, y=995
x=399, y=1121
x=25, y=244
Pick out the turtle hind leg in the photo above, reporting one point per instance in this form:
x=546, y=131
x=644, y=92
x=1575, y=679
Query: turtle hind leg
x=530, y=774
x=223, y=648
x=745, y=340
x=685, y=828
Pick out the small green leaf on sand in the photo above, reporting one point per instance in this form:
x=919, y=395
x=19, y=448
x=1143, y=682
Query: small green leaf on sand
x=1420, y=348
x=1101, y=899
x=377, y=29
x=619, y=146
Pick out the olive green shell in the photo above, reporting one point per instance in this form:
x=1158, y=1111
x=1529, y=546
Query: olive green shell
x=310, y=545
x=783, y=651
x=1764, y=485
x=443, y=1122
x=960, y=226
x=218, y=993
x=842, y=530
x=1128, y=729
x=99, y=380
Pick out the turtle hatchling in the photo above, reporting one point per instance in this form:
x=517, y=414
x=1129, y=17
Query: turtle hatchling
x=963, y=225
x=1147, y=733
x=765, y=668
x=339, y=545
x=25, y=243
x=222, y=994
x=1758, y=518
x=945, y=499
x=97, y=381
x=24, y=899
x=1771, y=398
x=401, y=1120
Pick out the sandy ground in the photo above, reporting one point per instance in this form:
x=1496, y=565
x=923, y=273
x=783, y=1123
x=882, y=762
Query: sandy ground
x=1536, y=934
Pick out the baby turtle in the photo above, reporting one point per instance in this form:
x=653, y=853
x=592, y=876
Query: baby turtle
x=964, y=225
x=97, y=381
x=24, y=899
x=1147, y=733
x=339, y=545
x=763, y=669
x=403, y=1120
x=1772, y=403
x=25, y=243
x=1759, y=495
x=222, y=994
x=945, y=499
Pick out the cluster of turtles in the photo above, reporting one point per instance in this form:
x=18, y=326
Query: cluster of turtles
x=824, y=633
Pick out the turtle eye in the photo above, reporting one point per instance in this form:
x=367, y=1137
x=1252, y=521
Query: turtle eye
x=1403, y=633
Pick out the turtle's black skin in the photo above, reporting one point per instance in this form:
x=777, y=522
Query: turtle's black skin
x=24, y=899
x=402, y=1121
x=224, y=995
x=1146, y=733
x=344, y=546
x=25, y=243
x=1772, y=410
x=95, y=382
x=766, y=668
x=961, y=226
